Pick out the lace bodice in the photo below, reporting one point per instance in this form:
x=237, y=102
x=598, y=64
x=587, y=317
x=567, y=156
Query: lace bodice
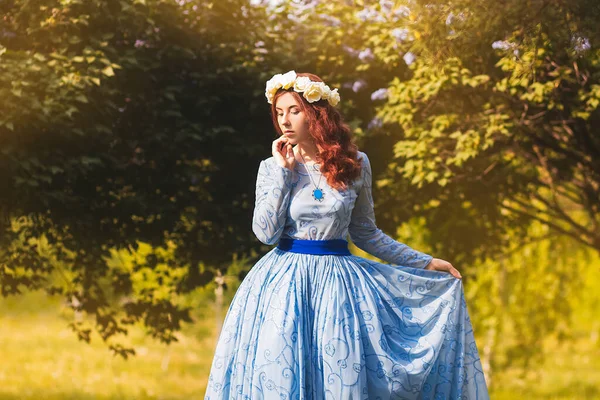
x=285, y=207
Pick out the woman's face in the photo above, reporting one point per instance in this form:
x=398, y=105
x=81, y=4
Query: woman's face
x=292, y=120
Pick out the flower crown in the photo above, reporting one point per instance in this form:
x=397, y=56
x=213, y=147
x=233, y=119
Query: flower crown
x=312, y=91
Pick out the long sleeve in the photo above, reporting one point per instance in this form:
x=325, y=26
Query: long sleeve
x=365, y=234
x=273, y=192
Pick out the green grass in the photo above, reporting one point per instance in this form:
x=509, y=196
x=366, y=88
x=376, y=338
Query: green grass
x=570, y=371
x=42, y=359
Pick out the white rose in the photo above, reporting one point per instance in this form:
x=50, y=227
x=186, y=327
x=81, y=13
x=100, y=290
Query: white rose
x=313, y=92
x=279, y=82
x=326, y=91
x=269, y=85
x=287, y=79
x=273, y=90
x=301, y=83
x=269, y=95
x=334, y=97
x=275, y=82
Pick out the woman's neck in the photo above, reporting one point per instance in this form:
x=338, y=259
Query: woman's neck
x=307, y=153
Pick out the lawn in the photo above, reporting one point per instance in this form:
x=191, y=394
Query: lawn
x=42, y=359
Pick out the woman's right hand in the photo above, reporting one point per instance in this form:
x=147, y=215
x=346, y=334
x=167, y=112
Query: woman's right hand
x=283, y=153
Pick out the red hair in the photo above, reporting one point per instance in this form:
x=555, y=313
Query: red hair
x=338, y=157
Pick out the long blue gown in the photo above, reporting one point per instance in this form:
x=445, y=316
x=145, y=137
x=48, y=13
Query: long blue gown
x=306, y=326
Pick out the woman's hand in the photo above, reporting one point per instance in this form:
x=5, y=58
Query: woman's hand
x=283, y=153
x=438, y=264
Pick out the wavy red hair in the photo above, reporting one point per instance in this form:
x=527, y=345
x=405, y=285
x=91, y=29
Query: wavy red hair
x=338, y=157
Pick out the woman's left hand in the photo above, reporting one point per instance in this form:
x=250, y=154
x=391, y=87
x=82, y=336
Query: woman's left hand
x=437, y=264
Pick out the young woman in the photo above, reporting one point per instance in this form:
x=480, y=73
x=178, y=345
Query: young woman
x=313, y=321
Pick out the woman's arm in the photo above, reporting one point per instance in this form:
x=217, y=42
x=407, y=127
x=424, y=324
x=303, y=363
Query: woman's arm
x=365, y=234
x=273, y=191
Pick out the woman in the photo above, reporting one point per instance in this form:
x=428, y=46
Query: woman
x=312, y=321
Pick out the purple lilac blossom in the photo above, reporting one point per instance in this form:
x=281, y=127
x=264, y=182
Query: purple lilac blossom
x=409, y=58
x=8, y=34
x=502, y=45
x=400, y=34
x=331, y=20
x=350, y=50
x=402, y=11
x=386, y=5
x=379, y=94
x=358, y=85
x=375, y=123
x=367, y=14
x=366, y=55
x=580, y=44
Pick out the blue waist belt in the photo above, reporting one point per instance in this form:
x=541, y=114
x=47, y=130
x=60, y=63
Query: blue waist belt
x=320, y=247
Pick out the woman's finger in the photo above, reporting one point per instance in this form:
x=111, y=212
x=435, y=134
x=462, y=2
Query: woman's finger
x=455, y=272
x=277, y=145
x=448, y=267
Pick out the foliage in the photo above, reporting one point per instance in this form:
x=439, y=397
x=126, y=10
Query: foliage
x=507, y=100
x=525, y=296
x=126, y=122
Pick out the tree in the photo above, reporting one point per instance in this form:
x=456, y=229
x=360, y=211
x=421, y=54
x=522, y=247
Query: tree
x=124, y=127
x=504, y=97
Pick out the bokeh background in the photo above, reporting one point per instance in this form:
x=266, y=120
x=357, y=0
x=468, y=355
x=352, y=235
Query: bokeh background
x=130, y=136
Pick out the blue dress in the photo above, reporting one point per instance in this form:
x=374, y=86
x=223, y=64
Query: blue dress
x=306, y=326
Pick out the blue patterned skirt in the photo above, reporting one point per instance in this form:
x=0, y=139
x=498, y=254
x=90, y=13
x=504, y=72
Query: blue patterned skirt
x=311, y=321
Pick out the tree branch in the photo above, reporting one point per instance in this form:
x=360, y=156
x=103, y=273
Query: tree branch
x=553, y=226
x=559, y=212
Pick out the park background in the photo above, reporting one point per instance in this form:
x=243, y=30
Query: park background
x=130, y=136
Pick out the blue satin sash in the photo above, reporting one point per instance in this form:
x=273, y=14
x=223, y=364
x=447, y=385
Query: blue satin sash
x=319, y=247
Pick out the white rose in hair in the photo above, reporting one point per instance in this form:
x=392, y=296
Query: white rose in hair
x=326, y=91
x=275, y=83
x=301, y=83
x=334, y=97
x=270, y=96
x=287, y=80
x=313, y=92
x=273, y=90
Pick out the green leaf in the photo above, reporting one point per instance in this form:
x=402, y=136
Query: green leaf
x=108, y=71
x=58, y=56
x=70, y=111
